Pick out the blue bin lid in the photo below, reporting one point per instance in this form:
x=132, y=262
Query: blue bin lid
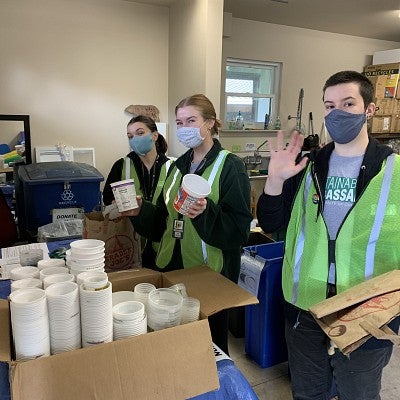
x=58, y=171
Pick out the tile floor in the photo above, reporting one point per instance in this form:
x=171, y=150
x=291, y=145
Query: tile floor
x=273, y=383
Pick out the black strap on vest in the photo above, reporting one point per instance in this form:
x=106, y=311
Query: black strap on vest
x=331, y=288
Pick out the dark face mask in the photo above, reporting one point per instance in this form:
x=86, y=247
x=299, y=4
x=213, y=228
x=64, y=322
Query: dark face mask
x=343, y=127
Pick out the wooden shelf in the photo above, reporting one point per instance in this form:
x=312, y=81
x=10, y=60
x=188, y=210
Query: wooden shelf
x=6, y=170
x=386, y=135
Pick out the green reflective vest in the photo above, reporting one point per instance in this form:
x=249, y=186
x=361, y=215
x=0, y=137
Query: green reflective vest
x=129, y=172
x=367, y=242
x=193, y=250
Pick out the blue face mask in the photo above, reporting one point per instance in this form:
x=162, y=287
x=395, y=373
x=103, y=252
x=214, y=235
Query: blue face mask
x=141, y=145
x=343, y=127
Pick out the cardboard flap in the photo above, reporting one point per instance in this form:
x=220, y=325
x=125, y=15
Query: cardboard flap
x=127, y=279
x=215, y=292
x=385, y=283
x=5, y=326
x=149, y=366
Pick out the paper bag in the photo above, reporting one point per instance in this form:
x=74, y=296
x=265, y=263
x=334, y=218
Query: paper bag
x=352, y=317
x=122, y=243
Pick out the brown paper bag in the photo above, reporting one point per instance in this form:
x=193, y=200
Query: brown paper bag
x=122, y=243
x=352, y=317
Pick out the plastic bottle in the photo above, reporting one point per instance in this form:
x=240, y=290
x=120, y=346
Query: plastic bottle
x=278, y=123
x=239, y=121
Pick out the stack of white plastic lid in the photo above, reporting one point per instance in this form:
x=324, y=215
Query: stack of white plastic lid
x=190, y=310
x=24, y=272
x=96, y=310
x=30, y=323
x=64, y=316
x=141, y=291
x=129, y=319
x=164, y=308
x=26, y=283
x=86, y=255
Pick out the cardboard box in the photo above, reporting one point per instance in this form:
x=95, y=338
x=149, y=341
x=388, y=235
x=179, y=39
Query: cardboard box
x=395, y=125
x=381, y=124
x=385, y=78
x=385, y=106
x=174, y=363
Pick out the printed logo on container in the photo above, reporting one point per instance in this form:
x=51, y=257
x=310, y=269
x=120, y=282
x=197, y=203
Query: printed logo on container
x=67, y=197
x=119, y=252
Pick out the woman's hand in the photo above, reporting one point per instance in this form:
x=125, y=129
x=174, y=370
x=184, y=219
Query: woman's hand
x=135, y=211
x=282, y=164
x=197, y=208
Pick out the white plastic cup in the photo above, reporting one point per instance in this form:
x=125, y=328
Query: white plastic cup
x=51, y=262
x=125, y=194
x=26, y=283
x=190, y=310
x=193, y=188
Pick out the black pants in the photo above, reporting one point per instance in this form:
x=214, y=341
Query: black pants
x=219, y=323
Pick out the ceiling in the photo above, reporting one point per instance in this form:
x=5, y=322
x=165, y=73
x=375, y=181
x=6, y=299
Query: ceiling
x=376, y=19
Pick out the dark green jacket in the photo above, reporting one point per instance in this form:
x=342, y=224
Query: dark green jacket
x=225, y=225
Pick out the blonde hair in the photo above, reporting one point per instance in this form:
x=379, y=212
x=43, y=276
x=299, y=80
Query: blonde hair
x=204, y=106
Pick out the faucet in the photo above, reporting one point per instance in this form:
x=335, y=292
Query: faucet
x=256, y=158
x=256, y=152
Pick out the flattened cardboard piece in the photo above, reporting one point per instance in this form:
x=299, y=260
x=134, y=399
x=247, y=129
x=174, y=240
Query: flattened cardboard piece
x=345, y=318
x=215, y=292
x=150, y=366
x=385, y=283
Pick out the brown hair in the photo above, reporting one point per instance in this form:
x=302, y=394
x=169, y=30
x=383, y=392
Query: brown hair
x=204, y=105
x=161, y=143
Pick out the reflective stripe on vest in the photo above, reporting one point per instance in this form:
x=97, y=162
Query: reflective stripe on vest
x=193, y=249
x=365, y=244
x=380, y=212
x=218, y=161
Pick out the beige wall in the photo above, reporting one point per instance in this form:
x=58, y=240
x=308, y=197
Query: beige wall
x=74, y=65
x=309, y=58
x=194, y=55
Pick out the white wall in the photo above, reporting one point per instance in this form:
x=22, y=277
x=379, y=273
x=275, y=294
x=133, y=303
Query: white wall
x=74, y=65
x=309, y=58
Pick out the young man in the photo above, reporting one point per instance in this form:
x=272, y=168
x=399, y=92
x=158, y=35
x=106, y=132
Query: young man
x=340, y=207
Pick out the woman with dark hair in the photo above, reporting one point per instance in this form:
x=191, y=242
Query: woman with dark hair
x=147, y=165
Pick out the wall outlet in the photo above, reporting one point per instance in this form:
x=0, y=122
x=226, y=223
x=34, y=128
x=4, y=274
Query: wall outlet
x=250, y=146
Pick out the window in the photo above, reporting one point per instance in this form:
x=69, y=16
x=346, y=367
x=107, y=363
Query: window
x=252, y=87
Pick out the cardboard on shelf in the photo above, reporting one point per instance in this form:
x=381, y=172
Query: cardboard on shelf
x=381, y=124
x=174, y=363
x=386, y=106
x=385, y=78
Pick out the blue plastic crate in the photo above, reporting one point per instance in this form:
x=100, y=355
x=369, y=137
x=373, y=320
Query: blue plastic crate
x=264, y=323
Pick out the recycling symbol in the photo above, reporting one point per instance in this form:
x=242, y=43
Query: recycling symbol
x=67, y=195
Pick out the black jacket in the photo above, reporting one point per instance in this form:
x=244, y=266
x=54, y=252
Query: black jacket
x=224, y=225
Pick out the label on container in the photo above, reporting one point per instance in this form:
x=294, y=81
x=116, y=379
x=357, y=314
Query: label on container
x=62, y=214
x=250, y=272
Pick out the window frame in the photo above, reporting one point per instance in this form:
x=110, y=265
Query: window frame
x=276, y=73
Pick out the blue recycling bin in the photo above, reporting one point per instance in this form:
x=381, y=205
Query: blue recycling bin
x=264, y=322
